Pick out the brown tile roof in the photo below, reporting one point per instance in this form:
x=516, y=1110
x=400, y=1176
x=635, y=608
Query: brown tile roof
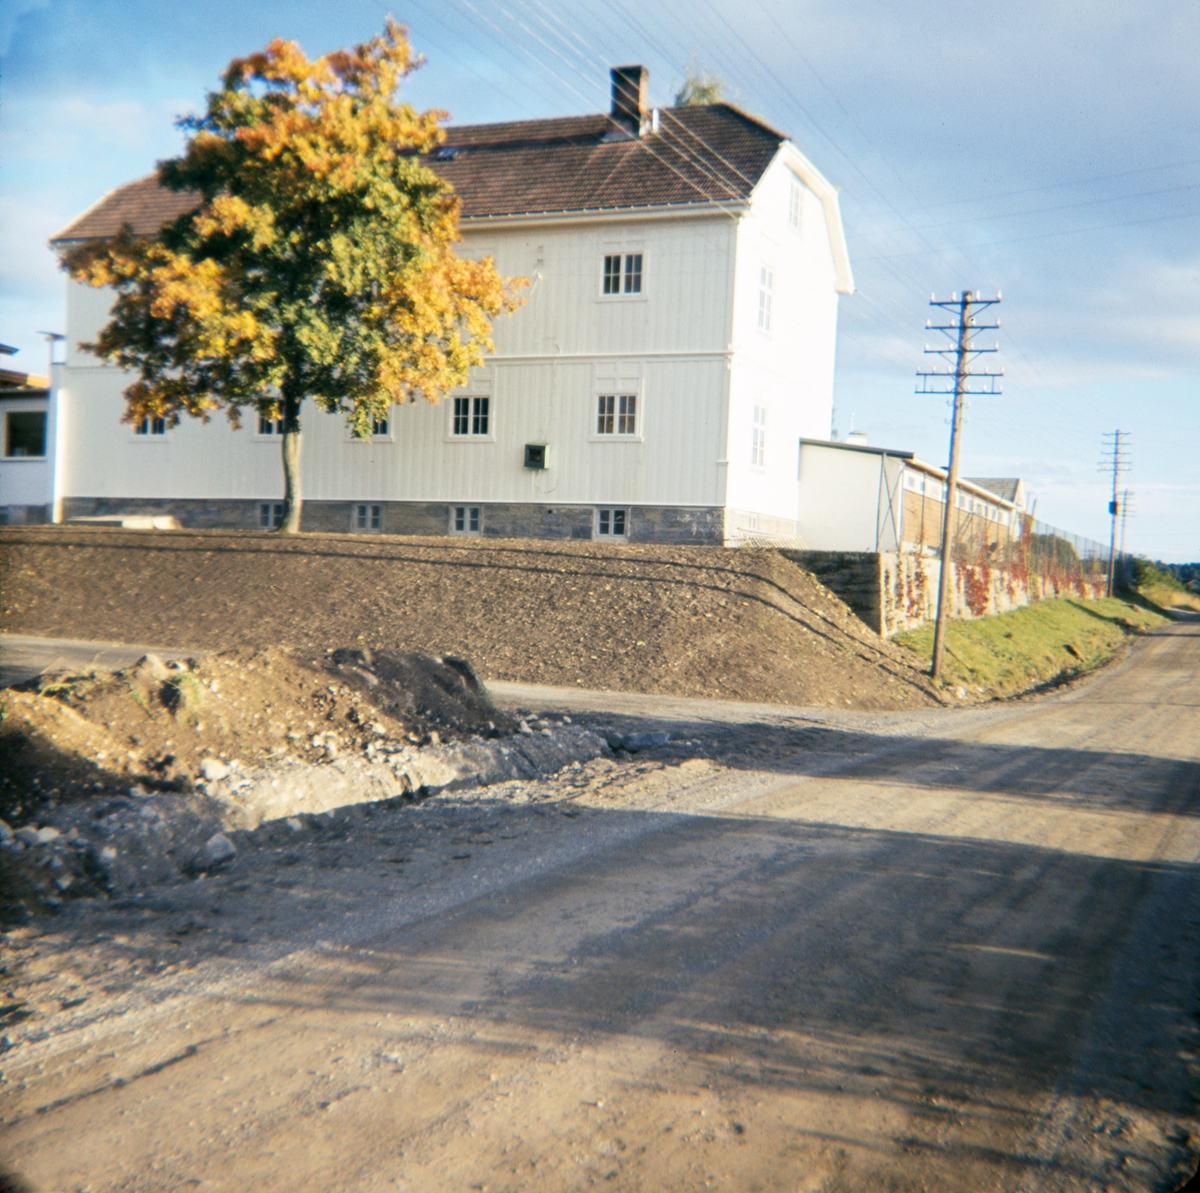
x=702, y=154
x=1004, y=487
x=143, y=205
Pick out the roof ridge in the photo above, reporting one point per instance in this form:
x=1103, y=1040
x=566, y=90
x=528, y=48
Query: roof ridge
x=713, y=154
x=748, y=117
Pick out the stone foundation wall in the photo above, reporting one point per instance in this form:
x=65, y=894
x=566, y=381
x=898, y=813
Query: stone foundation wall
x=24, y=515
x=855, y=576
x=659, y=524
x=893, y=591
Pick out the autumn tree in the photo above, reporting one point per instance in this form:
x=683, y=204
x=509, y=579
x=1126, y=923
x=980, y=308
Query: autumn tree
x=317, y=264
x=699, y=87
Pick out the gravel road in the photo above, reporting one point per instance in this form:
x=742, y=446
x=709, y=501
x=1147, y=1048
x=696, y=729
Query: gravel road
x=804, y=950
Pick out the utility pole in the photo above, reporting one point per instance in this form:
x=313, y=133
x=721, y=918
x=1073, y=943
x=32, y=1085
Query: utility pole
x=956, y=380
x=1126, y=499
x=1116, y=458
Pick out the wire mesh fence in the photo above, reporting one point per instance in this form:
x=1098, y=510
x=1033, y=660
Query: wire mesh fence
x=1044, y=560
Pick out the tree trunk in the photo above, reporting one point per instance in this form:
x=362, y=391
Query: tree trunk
x=292, y=499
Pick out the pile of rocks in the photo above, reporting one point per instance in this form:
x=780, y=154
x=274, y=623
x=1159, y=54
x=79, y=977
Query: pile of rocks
x=116, y=845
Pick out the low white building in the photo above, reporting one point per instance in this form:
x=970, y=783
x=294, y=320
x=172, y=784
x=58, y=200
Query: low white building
x=676, y=345
x=860, y=498
x=26, y=440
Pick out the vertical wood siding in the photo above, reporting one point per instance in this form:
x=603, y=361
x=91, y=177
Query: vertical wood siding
x=788, y=370
x=674, y=341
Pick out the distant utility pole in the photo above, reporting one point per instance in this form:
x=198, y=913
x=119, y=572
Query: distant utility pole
x=1126, y=499
x=956, y=378
x=1116, y=460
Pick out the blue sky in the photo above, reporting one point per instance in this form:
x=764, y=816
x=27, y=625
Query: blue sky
x=1044, y=149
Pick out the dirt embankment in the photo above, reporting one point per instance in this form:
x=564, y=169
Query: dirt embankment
x=691, y=621
x=159, y=725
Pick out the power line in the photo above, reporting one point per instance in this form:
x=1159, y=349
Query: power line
x=571, y=44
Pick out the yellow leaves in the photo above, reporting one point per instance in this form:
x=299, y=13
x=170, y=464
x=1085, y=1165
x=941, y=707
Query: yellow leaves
x=319, y=261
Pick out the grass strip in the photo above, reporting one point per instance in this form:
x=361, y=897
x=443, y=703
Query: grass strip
x=1043, y=643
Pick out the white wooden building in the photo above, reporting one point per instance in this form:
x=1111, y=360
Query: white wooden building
x=676, y=345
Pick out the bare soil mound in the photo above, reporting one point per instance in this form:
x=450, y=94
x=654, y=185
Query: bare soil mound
x=691, y=621
x=66, y=735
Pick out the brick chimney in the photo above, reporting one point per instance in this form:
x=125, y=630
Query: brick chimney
x=630, y=88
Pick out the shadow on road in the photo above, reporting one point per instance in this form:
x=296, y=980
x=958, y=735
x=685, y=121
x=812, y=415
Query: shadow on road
x=962, y=982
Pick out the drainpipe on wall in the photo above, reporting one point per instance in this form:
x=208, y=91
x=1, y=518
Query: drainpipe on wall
x=56, y=425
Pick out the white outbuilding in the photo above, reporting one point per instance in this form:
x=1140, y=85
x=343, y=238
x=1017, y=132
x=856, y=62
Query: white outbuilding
x=676, y=345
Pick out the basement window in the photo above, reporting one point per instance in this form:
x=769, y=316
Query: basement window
x=368, y=517
x=610, y=523
x=466, y=519
x=270, y=515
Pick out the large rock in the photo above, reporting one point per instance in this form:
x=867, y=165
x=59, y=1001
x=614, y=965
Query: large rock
x=304, y=787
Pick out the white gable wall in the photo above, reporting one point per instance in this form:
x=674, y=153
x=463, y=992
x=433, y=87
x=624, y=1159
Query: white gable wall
x=786, y=369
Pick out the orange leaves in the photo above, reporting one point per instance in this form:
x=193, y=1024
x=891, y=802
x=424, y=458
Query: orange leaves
x=319, y=261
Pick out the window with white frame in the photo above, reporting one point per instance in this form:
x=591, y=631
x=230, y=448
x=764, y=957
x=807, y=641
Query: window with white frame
x=472, y=416
x=379, y=427
x=758, y=438
x=270, y=515
x=616, y=414
x=766, y=287
x=269, y=426
x=150, y=425
x=368, y=517
x=466, y=519
x=622, y=273
x=796, y=208
x=610, y=523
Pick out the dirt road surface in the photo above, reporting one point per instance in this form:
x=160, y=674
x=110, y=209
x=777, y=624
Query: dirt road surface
x=945, y=950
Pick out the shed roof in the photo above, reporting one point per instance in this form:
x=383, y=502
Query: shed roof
x=869, y=448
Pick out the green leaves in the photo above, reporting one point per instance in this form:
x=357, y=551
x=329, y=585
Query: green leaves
x=319, y=260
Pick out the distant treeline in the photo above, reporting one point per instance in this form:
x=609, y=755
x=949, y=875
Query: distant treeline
x=1182, y=577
